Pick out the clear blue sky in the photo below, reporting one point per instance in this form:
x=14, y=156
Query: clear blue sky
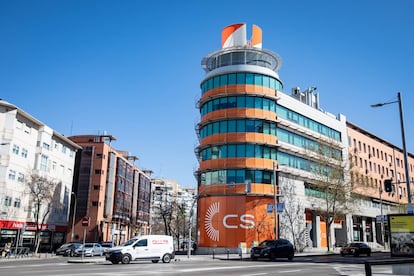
x=132, y=68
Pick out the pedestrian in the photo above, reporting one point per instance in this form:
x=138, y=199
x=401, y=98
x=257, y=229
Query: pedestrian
x=7, y=248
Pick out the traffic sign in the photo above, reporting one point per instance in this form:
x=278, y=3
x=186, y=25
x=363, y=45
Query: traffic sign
x=85, y=221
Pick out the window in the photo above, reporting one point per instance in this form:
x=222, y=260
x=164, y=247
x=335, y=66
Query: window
x=12, y=175
x=17, y=202
x=15, y=149
x=24, y=153
x=46, y=146
x=63, y=149
x=95, y=203
x=7, y=201
x=20, y=177
x=98, y=171
x=43, y=163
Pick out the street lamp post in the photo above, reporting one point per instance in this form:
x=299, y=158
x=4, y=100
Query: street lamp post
x=190, y=222
x=73, y=217
x=407, y=173
x=274, y=198
x=382, y=219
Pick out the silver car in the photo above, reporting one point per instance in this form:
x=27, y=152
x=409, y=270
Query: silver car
x=90, y=249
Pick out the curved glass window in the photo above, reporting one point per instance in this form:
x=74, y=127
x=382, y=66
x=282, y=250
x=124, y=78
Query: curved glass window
x=238, y=176
x=239, y=102
x=238, y=125
x=241, y=78
x=299, y=119
x=244, y=150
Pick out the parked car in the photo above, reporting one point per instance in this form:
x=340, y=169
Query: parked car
x=356, y=249
x=90, y=249
x=107, y=246
x=273, y=249
x=68, y=249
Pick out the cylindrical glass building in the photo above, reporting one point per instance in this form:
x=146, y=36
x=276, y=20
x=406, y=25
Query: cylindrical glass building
x=237, y=134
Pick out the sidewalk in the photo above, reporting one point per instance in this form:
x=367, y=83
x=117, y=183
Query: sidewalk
x=178, y=257
x=30, y=256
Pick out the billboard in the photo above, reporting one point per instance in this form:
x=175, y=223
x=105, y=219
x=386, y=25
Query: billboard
x=401, y=234
x=226, y=221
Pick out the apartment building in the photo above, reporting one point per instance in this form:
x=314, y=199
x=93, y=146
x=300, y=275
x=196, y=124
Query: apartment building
x=29, y=147
x=110, y=191
x=376, y=160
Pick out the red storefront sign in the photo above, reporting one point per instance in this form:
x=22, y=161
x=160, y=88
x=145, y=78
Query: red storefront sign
x=30, y=226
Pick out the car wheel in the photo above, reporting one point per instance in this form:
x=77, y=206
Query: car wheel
x=356, y=254
x=254, y=258
x=155, y=261
x=342, y=254
x=166, y=258
x=126, y=259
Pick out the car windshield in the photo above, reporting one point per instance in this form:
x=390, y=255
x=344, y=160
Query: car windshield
x=130, y=242
x=354, y=245
x=66, y=245
x=88, y=245
x=265, y=243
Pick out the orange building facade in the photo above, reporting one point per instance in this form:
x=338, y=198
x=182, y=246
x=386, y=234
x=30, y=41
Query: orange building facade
x=235, y=180
x=110, y=191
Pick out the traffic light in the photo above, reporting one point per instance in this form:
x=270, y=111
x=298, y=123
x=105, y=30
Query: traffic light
x=388, y=185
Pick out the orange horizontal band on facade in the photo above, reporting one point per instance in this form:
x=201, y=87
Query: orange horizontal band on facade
x=239, y=88
x=252, y=113
x=239, y=137
x=236, y=163
x=229, y=190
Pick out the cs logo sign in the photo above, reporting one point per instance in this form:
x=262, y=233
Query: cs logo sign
x=245, y=221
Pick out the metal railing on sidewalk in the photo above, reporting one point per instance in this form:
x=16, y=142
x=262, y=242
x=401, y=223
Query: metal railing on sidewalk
x=15, y=252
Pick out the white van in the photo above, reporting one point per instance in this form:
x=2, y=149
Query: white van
x=151, y=247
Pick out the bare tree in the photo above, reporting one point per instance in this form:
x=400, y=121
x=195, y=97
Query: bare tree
x=41, y=191
x=331, y=185
x=179, y=225
x=293, y=216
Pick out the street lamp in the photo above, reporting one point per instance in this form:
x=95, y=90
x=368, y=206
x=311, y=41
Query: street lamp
x=73, y=217
x=276, y=197
x=407, y=174
x=190, y=222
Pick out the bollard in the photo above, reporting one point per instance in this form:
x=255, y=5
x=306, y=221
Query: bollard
x=213, y=254
x=228, y=252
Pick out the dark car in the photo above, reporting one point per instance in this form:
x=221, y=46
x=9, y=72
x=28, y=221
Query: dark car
x=68, y=249
x=107, y=246
x=356, y=249
x=273, y=249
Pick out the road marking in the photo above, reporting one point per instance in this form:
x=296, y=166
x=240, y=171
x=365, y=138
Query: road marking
x=234, y=267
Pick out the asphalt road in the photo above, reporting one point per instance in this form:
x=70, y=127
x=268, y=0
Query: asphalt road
x=200, y=265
